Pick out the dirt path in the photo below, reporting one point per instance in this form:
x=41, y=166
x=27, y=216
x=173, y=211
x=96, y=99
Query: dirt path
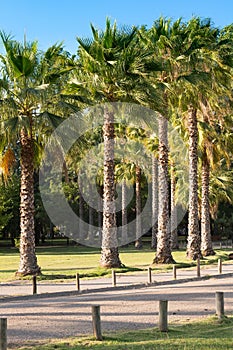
x=33, y=320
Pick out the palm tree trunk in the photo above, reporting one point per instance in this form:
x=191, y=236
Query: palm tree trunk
x=206, y=240
x=174, y=235
x=28, y=261
x=81, y=210
x=100, y=208
x=138, y=242
x=124, y=214
x=193, y=245
x=163, y=255
x=154, y=202
x=109, y=254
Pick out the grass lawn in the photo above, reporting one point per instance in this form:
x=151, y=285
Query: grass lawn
x=62, y=262
x=208, y=334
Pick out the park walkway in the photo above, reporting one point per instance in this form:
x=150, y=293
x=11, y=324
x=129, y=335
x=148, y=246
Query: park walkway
x=136, y=280
x=59, y=311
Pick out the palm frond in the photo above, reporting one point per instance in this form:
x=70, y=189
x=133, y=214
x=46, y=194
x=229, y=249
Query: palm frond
x=51, y=119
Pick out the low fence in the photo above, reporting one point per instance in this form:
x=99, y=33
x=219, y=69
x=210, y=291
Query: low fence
x=96, y=319
x=148, y=280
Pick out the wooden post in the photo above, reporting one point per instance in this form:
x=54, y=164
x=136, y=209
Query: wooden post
x=149, y=275
x=198, y=268
x=113, y=278
x=163, y=316
x=220, y=245
x=77, y=282
x=219, y=304
x=96, y=322
x=219, y=266
x=34, y=286
x=3, y=334
x=174, y=272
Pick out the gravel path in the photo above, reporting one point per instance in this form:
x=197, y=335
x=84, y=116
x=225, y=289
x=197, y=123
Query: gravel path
x=38, y=319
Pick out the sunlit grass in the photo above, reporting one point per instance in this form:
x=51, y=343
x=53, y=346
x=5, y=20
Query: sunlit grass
x=208, y=334
x=63, y=262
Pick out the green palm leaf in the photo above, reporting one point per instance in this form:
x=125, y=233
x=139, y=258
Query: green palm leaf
x=51, y=119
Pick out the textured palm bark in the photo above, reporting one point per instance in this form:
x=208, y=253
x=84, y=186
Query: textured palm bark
x=194, y=239
x=109, y=254
x=206, y=240
x=100, y=207
x=154, y=202
x=28, y=261
x=163, y=255
x=174, y=235
x=138, y=242
x=124, y=213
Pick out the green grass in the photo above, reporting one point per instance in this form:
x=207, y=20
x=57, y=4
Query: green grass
x=60, y=263
x=209, y=334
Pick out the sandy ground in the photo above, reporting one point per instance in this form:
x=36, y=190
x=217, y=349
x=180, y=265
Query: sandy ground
x=38, y=319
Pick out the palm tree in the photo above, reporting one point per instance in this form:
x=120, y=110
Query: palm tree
x=208, y=158
x=139, y=139
x=155, y=208
x=138, y=180
x=152, y=145
x=215, y=104
x=27, y=80
x=124, y=174
x=194, y=239
x=166, y=40
x=110, y=256
x=174, y=233
x=213, y=78
x=194, y=78
x=109, y=68
x=206, y=241
x=163, y=254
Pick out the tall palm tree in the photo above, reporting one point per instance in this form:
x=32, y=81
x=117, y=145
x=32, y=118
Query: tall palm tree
x=166, y=40
x=27, y=79
x=110, y=64
x=217, y=104
x=194, y=239
x=212, y=75
x=194, y=77
x=163, y=254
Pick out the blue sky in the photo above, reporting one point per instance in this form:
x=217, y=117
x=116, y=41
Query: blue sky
x=50, y=21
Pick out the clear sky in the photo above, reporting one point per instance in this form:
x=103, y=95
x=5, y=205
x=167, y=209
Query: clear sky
x=50, y=21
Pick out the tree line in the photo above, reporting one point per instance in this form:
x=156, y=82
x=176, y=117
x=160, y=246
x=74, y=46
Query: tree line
x=180, y=70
